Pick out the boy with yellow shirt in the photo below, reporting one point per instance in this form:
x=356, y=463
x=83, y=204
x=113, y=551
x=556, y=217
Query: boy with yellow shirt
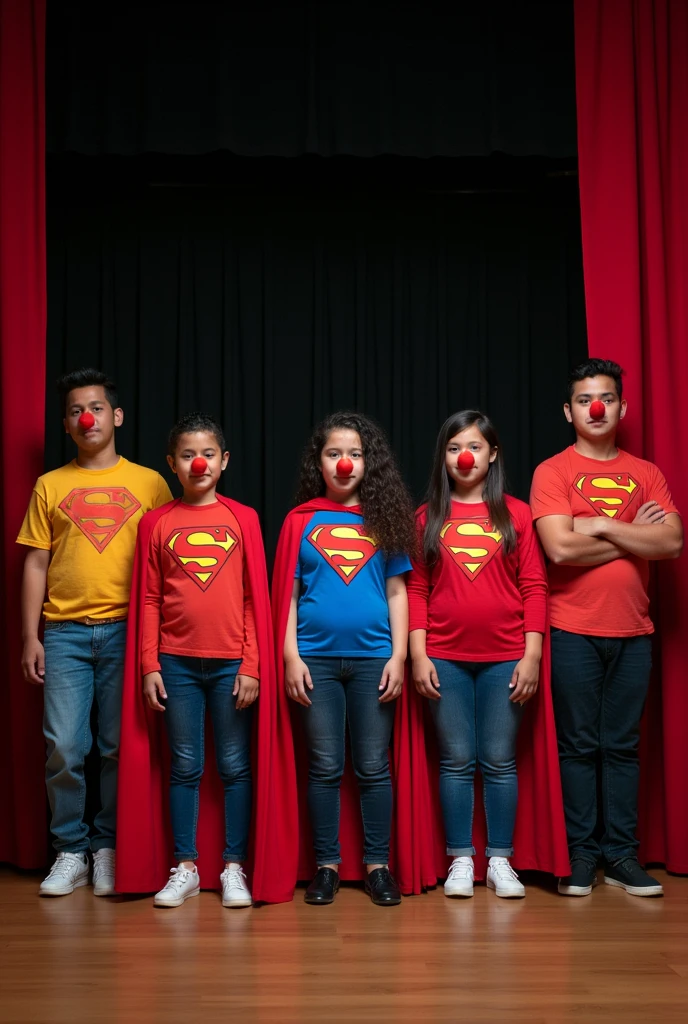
x=81, y=527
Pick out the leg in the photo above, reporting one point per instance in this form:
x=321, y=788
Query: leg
x=232, y=736
x=370, y=732
x=109, y=641
x=324, y=725
x=623, y=698
x=497, y=723
x=68, y=697
x=454, y=718
x=577, y=679
x=184, y=718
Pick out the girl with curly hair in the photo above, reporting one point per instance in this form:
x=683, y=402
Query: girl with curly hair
x=341, y=618
x=477, y=598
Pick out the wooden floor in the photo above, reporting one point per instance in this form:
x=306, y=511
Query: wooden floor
x=609, y=957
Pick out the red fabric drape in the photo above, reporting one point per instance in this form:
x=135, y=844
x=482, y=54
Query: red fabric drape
x=632, y=94
x=23, y=834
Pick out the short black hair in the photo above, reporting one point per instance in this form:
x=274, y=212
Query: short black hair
x=194, y=423
x=86, y=377
x=596, y=368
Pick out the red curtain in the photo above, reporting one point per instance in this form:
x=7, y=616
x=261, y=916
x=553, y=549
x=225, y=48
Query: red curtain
x=632, y=97
x=23, y=833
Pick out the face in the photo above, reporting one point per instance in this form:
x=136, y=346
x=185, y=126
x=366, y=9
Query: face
x=342, y=444
x=577, y=412
x=201, y=445
x=93, y=400
x=469, y=440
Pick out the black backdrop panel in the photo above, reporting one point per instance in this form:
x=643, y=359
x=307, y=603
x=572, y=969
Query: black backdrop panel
x=289, y=77
x=273, y=309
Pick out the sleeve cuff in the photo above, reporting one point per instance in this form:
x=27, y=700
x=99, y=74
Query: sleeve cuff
x=249, y=667
x=152, y=665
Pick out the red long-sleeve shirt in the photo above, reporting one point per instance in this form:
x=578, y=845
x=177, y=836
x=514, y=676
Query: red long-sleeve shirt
x=476, y=603
x=198, y=596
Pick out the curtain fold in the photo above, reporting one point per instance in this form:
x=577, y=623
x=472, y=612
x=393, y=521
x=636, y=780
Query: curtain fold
x=23, y=833
x=632, y=99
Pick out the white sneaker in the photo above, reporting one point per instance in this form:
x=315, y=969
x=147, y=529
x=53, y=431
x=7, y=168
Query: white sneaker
x=104, y=873
x=460, y=878
x=69, y=871
x=181, y=885
x=503, y=879
x=235, y=891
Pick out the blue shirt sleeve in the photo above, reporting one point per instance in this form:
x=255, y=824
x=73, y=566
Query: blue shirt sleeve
x=397, y=565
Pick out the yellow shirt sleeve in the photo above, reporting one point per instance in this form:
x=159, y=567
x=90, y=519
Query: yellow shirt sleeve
x=162, y=493
x=37, y=529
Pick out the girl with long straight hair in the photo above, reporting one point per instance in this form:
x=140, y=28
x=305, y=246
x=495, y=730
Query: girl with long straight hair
x=341, y=623
x=477, y=600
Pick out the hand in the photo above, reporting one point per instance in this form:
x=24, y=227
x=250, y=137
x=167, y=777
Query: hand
x=33, y=661
x=296, y=679
x=392, y=681
x=425, y=678
x=589, y=526
x=153, y=688
x=650, y=514
x=245, y=690
x=524, y=681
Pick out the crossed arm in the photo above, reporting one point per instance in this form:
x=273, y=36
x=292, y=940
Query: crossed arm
x=595, y=540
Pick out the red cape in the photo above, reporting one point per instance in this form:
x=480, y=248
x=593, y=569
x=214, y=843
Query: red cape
x=144, y=840
x=412, y=858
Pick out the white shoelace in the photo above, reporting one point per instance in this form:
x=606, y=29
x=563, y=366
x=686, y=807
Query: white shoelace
x=178, y=878
x=461, y=869
x=234, y=879
x=64, y=865
x=503, y=869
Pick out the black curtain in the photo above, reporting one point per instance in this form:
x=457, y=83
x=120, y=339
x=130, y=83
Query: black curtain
x=271, y=304
x=290, y=77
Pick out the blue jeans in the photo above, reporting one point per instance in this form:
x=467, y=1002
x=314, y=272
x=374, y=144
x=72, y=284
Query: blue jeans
x=476, y=723
x=599, y=686
x=82, y=662
x=346, y=690
x=190, y=683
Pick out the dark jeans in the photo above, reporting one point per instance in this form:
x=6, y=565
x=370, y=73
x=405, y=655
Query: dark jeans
x=599, y=686
x=477, y=724
x=82, y=662
x=190, y=684
x=346, y=690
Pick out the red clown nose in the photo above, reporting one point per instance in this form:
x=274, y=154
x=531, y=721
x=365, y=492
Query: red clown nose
x=597, y=410
x=345, y=467
x=87, y=420
x=465, y=462
x=198, y=467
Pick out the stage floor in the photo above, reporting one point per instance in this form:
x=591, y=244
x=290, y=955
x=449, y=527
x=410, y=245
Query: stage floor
x=546, y=958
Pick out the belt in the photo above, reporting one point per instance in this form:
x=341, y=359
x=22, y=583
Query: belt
x=91, y=621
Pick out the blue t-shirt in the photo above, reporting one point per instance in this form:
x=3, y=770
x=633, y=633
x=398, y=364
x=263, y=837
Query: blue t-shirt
x=343, y=611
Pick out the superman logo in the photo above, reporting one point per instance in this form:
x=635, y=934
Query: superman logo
x=608, y=495
x=202, y=552
x=471, y=543
x=100, y=512
x=344, y=548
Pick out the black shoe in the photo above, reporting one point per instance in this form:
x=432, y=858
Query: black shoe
x=581, y=880
x=382, y=889
x=324, y=886
x=627, y=874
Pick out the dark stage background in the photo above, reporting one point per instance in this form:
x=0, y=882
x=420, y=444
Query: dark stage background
x=271, y=298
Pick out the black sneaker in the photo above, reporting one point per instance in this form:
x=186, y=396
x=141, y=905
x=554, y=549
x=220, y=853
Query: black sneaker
x=382, y=889
x=627, y=874
x=581, y=880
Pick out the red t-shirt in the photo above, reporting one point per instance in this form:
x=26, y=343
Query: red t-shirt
x=599, y=600
x=476, y=603
x=198, y=598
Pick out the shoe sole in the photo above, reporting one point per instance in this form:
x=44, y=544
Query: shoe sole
x=63, y=892
x=636, y=890
x=459, y=894
x=385, y=903
x=505, y=894
x=104, y=892
x=177, y=903
x=576, y=890
x=237, y=904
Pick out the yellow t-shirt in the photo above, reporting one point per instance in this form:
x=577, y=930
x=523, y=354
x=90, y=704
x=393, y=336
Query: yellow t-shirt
x=87, y=519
